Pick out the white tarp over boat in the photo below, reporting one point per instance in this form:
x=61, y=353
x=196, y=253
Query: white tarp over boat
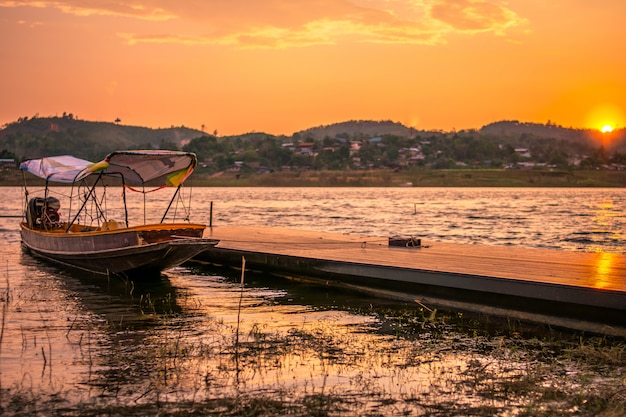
x=63, y=168
x=160, y=167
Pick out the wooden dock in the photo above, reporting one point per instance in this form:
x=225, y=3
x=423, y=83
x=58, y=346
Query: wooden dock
x=585, y=291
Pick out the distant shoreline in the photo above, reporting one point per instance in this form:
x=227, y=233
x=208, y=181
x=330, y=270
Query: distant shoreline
x=416, y=178
x=391, y=178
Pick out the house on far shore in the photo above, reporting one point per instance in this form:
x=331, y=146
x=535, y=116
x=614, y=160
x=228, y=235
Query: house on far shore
x=7, y=164
x=236, y=167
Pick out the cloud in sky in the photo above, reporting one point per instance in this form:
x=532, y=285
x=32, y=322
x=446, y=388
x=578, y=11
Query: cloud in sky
x=289, y=23
x=96, y=8
x=283, y=65
x=471, y=15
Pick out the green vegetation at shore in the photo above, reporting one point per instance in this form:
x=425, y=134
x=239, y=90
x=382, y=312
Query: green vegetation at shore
x=416, y=178
x=390, y=178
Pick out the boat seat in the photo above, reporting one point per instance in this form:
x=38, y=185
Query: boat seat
x=110, y=225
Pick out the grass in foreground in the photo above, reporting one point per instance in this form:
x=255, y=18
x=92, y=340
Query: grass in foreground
x=383, y=358
x=414, y=363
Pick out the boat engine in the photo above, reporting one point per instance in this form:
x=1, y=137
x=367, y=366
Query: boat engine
x=43, y=212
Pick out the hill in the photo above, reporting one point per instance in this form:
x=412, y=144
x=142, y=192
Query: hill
x=515, y=128
x=356, y=129
x=503, y=131
x=36, y=137
x=384, y=143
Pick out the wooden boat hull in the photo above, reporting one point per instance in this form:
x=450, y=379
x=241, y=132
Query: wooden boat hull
x=134, y=251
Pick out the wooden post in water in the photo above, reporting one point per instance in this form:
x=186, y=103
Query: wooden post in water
x=211, y=214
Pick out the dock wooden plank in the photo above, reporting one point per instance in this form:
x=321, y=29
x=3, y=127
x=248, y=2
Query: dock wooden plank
x=600, y=271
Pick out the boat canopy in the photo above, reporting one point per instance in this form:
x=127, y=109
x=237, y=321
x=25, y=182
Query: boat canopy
x=63, y=168
x=159, y=167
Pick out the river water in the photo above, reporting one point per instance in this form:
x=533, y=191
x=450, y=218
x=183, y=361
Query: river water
x=70, y=340
x=568, y=219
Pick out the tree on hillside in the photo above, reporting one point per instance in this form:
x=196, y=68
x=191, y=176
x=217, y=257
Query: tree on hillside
x=271, y=151
x=209, y=147
x=4, y=154
x=168, y=144
x=206, y=147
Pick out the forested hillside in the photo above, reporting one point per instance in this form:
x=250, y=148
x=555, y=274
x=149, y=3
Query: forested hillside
x=44, y=136
x=341, y=146
x=356, y=129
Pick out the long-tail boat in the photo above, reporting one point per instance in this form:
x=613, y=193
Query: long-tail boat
x=91, y=240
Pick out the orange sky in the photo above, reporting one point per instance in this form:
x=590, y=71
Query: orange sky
x=280, y=66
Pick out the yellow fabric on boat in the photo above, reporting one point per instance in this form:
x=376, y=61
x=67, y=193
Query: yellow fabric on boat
x=177, y=178
x=99, y=166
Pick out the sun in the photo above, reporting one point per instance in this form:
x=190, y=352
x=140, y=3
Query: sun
x=605, y=118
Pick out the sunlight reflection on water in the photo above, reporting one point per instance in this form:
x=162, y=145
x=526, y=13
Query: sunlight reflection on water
x=577, y=219
x=570, y=219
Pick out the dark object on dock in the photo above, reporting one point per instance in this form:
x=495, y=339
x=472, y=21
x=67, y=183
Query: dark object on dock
x=405, y=242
